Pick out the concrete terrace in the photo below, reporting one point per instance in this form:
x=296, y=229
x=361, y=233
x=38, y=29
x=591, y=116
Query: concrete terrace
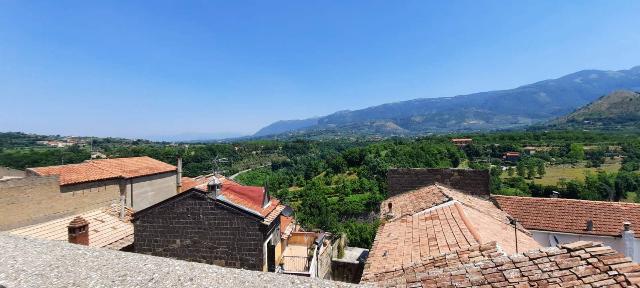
x=41, y=263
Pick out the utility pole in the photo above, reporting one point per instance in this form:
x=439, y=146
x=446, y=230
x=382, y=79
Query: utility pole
x=514, y=222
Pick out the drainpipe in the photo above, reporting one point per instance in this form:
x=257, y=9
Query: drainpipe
x=179, y=175
x=122, y=203
x=629, y=240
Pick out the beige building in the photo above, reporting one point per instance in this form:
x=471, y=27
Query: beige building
x=49, y=193
x=139, y=182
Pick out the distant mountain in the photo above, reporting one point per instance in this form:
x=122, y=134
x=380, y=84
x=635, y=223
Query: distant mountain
x=286, y=126
x=193, y=137
x=525, y=105
x=620, y=109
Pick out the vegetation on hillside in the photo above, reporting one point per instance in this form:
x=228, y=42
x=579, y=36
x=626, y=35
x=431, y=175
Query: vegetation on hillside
x=337, y=185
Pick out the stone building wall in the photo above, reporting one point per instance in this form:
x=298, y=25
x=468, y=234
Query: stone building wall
x=35, y=199
x=474, y=182
x=193, y=227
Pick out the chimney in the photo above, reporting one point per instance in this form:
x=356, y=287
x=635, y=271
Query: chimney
x=589, y=225
x=179, y=176
x=214, y=186
x=389, y=214
x=265, y=197
x=629, y=240
x=79, y=231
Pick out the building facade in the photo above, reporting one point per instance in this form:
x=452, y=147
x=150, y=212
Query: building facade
x=554, y=221
x=232, y=226
x=137, y=182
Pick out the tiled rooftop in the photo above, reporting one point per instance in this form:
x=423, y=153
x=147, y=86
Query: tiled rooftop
x=434, y=221
x=105, y=228
x=286, y=226
x=247, y=197
x=104, y=169
x=415, y=201
x=579, y=264
x=410, y=238
x=551, y=214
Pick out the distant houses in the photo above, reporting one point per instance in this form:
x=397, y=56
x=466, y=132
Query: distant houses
x=511, y=156
x=461, y=142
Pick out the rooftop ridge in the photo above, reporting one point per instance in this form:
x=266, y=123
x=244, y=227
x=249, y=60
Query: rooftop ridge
x=566, y=199
x=573, y=264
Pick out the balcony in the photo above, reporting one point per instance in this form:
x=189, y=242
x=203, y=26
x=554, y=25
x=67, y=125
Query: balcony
x=299, y=255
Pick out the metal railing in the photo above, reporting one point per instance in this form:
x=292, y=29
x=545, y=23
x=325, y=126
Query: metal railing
x=295, y=264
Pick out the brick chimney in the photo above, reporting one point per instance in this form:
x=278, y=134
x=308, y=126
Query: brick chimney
x=79, y=231
x=214, y=186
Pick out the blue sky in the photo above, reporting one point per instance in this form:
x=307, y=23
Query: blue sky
x=148, y=68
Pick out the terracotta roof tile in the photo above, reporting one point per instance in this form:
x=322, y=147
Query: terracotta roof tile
x=410, y=238
x=188, y=183
x=579, y=264
x=286, y=226
x=434, y=221
x=105, y=228
x=550, y=214
x=414, y=201
x=134, y=166
x=247, y=197
x=103, y=169
x=75, y=173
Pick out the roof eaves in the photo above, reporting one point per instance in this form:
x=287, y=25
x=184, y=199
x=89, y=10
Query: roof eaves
x=223, y=199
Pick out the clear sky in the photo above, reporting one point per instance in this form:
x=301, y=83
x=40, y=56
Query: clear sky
x=145, y=68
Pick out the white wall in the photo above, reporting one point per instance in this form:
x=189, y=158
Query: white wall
x=546, y=238
x=149, y=190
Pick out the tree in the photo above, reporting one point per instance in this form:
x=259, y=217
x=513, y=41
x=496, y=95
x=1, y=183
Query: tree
x=337, y=164
x=531, y=170
x=495, y=181
x=521, y=169
x=510, y=171
x=625, y=182
x=576, y=152
x=315, y=210
x=541, y=169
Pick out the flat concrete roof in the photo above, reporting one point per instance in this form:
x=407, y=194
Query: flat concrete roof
x=41, y=263
x=354, y=255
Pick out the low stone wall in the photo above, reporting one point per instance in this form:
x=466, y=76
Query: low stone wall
x=5, y=171
x=475, y=182
x=41, y=263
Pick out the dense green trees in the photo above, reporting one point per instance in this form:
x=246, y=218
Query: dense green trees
x=336, y=185
x=35, y=157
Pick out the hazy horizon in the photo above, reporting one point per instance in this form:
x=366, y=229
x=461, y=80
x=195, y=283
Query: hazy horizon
x=128, y=70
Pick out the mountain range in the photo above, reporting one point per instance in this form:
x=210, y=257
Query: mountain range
x=525, y=105
x=620, y=109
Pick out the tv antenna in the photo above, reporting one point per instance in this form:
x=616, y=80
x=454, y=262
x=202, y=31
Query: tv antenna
x=216, y=164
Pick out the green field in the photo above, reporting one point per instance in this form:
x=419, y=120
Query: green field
x=568, y=172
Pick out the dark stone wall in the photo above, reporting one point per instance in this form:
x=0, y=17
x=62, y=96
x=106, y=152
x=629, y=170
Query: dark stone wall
x=474, y=182
x=195, y=228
